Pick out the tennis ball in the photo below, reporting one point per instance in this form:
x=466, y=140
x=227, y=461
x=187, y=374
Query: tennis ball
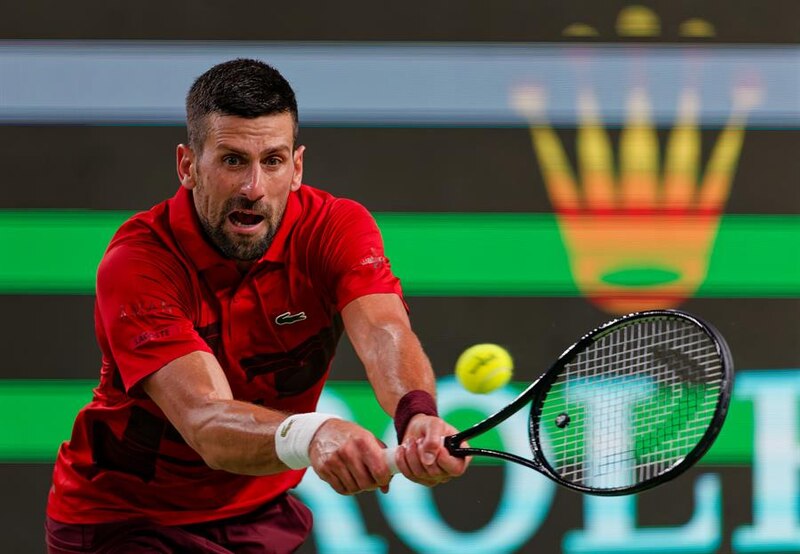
x=484, y=367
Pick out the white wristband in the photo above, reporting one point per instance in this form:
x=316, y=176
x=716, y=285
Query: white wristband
x=294, y=435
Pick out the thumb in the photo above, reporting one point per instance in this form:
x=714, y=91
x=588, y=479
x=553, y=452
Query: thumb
x=427, y=451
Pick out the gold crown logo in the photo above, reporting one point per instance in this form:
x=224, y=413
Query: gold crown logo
x=641, y=22
x=639, y=235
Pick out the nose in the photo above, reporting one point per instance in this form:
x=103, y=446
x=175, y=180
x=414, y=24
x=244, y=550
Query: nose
x=254, y=188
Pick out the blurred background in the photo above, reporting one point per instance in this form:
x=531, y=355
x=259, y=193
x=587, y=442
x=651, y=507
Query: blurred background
x=536, y=168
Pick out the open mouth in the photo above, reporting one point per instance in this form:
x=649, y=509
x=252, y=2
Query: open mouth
x=244, y=219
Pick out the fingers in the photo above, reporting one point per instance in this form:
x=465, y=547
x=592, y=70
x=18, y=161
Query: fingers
x=349, y=458
x=351, y=471
x=429, y=447
x=352, y=476
x=416, y=464
x=423, y=458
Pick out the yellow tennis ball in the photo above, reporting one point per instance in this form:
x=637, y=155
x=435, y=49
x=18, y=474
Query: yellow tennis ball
x=484, y=367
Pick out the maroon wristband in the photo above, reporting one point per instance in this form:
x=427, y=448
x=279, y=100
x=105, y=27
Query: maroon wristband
x=412, y=403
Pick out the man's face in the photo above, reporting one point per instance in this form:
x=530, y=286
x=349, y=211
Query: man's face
x=241, y=180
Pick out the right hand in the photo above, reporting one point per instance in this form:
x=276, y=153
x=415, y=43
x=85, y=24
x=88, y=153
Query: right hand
x=349, y=458
x=422, y=457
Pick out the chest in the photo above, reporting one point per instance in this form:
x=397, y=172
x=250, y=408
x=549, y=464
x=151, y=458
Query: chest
x=274, y=333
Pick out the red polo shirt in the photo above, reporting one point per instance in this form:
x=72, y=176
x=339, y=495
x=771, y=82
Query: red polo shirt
x=162, y=292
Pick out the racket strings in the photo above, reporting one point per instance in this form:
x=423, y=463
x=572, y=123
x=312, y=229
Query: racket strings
x=638, y=400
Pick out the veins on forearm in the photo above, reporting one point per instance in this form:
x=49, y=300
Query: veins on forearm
x=238, y=437
x=397, y=365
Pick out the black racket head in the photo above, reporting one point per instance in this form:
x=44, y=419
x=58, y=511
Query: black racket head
x=633, y=403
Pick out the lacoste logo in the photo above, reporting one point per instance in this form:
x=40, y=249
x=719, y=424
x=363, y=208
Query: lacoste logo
x=287, y=318
x=285, y=428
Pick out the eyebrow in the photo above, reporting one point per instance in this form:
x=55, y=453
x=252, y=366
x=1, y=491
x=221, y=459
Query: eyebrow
x=272, y=150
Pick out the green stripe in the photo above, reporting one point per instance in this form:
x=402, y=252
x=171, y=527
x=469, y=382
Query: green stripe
x=459, y=254
x=38, y=416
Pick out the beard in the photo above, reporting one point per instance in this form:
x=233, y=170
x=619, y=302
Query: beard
x=242, y=248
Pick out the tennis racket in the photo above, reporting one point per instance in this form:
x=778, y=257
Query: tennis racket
x=632, y=404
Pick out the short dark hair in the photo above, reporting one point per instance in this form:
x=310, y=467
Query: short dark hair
x=241, y=87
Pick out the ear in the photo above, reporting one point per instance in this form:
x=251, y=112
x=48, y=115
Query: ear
x=297, y=157
x=185, y=165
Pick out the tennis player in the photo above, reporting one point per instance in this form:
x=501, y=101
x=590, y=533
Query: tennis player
x=218, y=313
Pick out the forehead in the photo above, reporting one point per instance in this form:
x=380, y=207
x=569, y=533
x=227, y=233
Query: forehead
x=258, y=133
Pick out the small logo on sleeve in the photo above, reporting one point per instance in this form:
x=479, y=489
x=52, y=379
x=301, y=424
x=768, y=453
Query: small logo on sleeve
x=376, y=259
x=149, y=336
x=287, y=318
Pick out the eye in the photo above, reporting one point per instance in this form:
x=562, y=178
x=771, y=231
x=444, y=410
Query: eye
x=273, y=161
x=231, y=160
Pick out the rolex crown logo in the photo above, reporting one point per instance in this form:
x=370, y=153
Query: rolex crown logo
x=638, y=233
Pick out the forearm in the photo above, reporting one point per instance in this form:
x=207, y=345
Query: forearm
x=396, y=364
x=228, y=434
x=236, y=436
x=380, y=331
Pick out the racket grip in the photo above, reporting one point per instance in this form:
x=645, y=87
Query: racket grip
x=391, y=460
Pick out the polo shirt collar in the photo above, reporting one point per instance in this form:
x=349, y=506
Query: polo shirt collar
x=194, y=243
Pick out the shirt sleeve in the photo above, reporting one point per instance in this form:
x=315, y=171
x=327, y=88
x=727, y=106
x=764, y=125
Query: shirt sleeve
x=143, y=299
x=353, y=256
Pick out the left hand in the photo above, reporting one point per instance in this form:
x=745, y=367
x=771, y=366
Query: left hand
x=349, y=458
x=422, y=457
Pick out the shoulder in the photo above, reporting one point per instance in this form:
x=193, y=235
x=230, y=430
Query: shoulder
x=323, y=208
x=140, y=236
x=330, y=226
x=143, y=227
x=143, y=247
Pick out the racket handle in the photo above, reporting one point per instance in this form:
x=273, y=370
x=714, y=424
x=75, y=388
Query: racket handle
x=391, y=460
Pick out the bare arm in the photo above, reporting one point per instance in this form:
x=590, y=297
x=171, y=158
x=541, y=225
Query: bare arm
x=236, y=436
x=381, y=333
x=239, y=437
x=392, y=355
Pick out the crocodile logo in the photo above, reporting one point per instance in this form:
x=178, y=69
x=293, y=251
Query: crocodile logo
x=287, y=318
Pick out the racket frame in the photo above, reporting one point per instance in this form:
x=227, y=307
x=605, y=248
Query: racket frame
x=537, y=390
